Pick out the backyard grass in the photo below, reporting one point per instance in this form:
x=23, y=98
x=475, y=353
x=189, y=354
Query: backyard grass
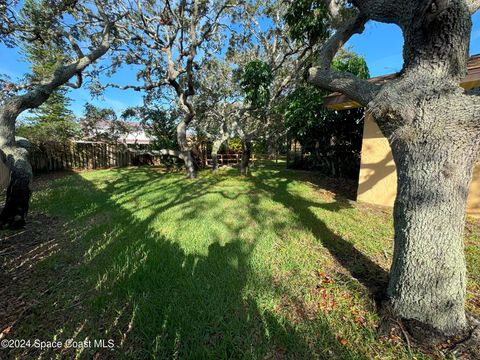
x=271, y=266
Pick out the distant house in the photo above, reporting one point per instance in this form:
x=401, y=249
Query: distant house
x=377, y=183
x=129, y=133
x=137, y=135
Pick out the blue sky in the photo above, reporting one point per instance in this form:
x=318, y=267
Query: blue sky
x=380, y=44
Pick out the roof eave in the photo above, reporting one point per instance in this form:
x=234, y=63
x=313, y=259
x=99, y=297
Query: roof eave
x=337, y=101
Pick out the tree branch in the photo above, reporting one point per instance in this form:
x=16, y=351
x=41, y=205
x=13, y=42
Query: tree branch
x=386, y=11
x=78, y=83
x=40, y=92
x=324, y=77
x=473, y=5
x=211, y=28
x=146, y=87
x=169, y=152
x=74, y=44
x=83, y=62
x=300, y=63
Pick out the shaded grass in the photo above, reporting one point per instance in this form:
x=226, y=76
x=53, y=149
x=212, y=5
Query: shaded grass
x=266, y=267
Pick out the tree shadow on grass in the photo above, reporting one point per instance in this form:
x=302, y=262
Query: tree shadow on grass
x=343, y=188
x=114, y=276
x=361, y=267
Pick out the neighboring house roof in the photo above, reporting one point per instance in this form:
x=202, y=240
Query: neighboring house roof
x=338, y=101
x=103, y=124
x=137, y=134
x=138, y=141
x=138, y=137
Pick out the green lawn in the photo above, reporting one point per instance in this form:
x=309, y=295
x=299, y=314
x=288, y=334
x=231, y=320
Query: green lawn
x=223, y=267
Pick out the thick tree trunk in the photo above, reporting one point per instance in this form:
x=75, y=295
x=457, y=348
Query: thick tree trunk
x=246, y=154
x=433, y=129
x=186, y=150
x=189, y=164
x=16, y=160
x=428, y=274
x=15, y=210
x=434, y=138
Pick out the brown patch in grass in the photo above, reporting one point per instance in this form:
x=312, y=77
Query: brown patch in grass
x=43, y=180
x=345, y=188
x=20, y=251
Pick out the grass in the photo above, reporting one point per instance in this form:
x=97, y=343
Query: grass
x=266, y=267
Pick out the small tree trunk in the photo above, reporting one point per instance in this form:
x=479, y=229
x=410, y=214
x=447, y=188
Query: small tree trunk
x=214, y=161
x=246, y=153
x=289, y=147
x=271, y=149
x=428, y=274
x=186, y=150
x=215, y=147
x=189, y=164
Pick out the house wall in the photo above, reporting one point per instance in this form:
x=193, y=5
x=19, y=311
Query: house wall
x=378, y=177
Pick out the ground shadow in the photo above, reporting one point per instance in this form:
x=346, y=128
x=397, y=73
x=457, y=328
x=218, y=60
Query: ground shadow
x=112, y=275
x=361, y=267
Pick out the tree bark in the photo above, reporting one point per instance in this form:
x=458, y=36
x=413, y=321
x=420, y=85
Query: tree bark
x=16, y=159
x=186, y=150
x=428, y=274
x=433, y=130
x=271, y=148
x=435, y=144
x=189, y=164
x=18, y=194
x=215, y=147
x=246, y=154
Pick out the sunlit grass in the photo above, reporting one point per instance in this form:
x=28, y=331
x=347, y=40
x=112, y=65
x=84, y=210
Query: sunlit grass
x=264, y=267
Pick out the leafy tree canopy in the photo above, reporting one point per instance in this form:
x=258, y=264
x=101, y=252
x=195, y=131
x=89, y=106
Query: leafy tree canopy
x=255, y=80
x=303, y=108
x=41, y=131
x=348, y=61
x=307, y=20
x=332, y=137
x=53, y=120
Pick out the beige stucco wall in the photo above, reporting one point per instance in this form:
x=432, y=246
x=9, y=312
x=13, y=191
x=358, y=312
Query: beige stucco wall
x=378, y=177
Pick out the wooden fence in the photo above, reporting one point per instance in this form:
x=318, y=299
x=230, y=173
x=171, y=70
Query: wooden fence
x=229, y=159
x=83, y=155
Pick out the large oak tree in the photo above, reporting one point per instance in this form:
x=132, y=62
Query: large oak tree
x=85, y=29
x=238, y=95
x=433, y=128
x=168, y=42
